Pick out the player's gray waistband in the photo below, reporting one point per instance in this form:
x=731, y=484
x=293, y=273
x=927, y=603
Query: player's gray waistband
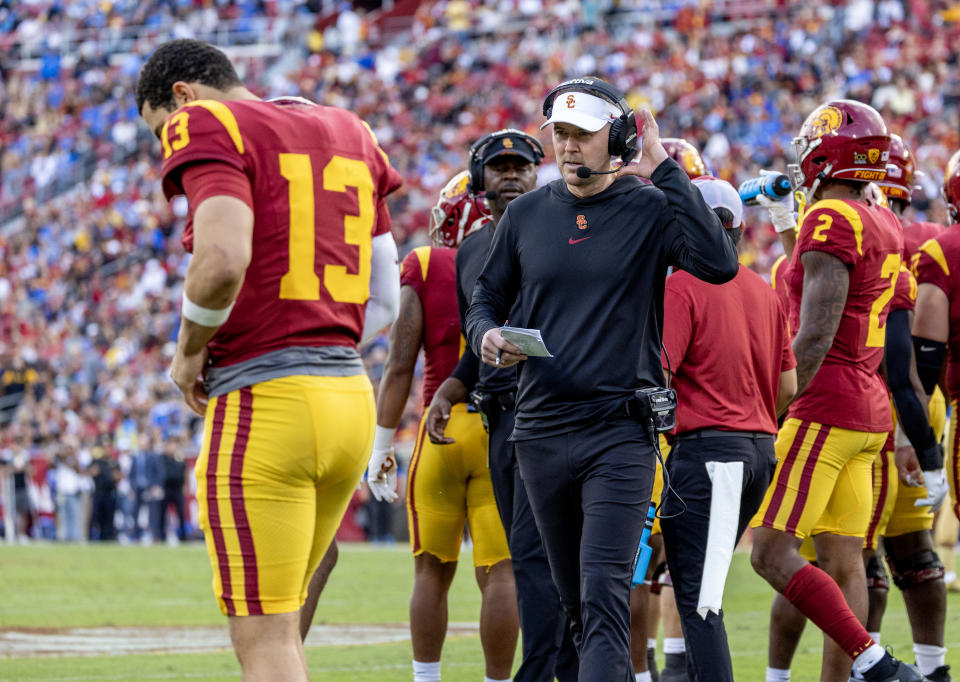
x=317, y=361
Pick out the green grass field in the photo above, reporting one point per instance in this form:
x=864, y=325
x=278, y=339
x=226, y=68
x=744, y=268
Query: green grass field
x=51, y=586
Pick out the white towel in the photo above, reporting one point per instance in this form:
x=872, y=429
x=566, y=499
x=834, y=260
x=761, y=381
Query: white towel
x=727, y=480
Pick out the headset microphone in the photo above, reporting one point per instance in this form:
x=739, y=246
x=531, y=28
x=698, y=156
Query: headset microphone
x=490, y=195
x=584, y=172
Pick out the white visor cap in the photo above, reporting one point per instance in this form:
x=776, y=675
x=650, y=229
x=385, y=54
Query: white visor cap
x=582, y=110
x=721, y=194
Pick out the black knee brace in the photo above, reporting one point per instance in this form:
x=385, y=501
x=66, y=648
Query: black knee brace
x=877, y=575
x=915, y=569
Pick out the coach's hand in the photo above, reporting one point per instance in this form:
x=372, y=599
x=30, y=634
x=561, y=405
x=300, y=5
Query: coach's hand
x=652, y=153
x=382, y=474
x=437, y=417
x=187, y=373
x=496, y=351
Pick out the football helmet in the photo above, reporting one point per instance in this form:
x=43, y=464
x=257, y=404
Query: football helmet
x=901, y=170
x=686, y=155
x=951, y=187
x=458, y=213
x=841, y=140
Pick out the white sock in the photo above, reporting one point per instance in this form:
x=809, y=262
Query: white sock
x=426, y=672
x=674, y=645
x=869, y=658
x=490, y=679
x=929, y=657
x=643, y=677
x=651, y=642
x=875, y=636
x=949, y=577
x=778, y=675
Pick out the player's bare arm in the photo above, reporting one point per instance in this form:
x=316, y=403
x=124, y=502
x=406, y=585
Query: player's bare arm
x=931, y=318
x=451, y=392
x=406, y=336
x=826, y=282
x=786, y=390
x=223, y=234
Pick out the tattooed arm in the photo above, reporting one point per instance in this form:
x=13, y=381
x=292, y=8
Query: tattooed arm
x=825, y=284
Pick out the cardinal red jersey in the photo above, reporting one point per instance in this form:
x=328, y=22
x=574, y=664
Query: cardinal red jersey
x=847, y=392
x=318, y=181
x=939, y=264
x=915, y=234
x=432, y=273
x=778, y=281
x=905, y=293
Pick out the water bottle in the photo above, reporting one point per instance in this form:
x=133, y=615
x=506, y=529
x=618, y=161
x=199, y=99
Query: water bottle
x=772, y=185
x=644, y=551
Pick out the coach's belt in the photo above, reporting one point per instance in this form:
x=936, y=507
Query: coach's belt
x=717, y=433
x=488, y=402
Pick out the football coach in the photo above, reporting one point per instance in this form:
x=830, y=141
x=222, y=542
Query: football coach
x=585, y=259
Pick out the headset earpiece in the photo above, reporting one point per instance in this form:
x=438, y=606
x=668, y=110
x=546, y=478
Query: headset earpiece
x=622, y=141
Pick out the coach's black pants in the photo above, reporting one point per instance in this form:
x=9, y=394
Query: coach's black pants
x=589, y=490
x=548, y=649
x=686, y=535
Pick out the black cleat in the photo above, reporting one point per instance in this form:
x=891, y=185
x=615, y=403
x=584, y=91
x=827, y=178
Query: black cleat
x=941, y=674
x=889, y=669
x=675, y=668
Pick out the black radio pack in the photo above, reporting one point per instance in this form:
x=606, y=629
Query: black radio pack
x=658, y=404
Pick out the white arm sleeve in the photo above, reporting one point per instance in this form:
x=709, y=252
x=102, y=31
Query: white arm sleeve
x=384, y=302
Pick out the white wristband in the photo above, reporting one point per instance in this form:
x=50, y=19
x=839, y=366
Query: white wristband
x=383, y=438
x=900, y=438
x=785, y=226
x=205, y=317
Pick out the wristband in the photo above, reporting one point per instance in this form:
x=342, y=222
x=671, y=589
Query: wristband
x=383, y=438
x=785, y=226
x=205, y=317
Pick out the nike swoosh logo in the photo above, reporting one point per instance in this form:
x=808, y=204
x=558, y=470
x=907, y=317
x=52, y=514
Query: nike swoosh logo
x=577, y=241
x=927, y=349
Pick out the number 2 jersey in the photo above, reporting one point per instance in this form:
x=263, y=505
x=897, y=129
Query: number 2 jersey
x=847, y=391
x=316, y=183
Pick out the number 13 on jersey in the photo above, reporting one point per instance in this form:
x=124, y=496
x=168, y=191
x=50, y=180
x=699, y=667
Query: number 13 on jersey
x=301, y=282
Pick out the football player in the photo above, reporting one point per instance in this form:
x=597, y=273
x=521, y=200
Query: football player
x=277, y=296
x=448, y=485
x=842, y=276
x=686, y=155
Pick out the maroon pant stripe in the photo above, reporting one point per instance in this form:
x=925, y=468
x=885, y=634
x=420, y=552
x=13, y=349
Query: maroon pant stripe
x=412, y=476
x=956, y=463
x=881, y=498
x=805, y=478
x=213, y=510
x=781, y=483
x=244, y=535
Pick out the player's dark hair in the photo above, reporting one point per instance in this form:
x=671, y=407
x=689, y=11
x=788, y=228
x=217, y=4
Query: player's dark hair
x=726, y=219
x=191, y=61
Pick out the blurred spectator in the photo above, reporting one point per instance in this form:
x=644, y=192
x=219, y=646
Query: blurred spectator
x=174, y=480
x=146, y=483
x=106, y=475
x=67, y=485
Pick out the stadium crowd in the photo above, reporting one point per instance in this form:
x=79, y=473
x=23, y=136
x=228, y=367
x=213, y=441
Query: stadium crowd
x=90, y=277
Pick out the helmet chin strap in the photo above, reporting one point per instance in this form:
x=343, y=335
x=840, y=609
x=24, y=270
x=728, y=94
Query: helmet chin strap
x=815, y=185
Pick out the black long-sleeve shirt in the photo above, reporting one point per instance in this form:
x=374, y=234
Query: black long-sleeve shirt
x=591, y=272
x=475, y=374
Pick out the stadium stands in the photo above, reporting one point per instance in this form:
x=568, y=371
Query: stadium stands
x=90, y=260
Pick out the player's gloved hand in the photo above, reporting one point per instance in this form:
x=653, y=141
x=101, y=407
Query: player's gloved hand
x=781, y=212
x=936, y=484
x=382, y=469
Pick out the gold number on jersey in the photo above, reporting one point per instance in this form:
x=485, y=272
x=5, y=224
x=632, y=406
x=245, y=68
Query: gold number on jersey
x=301, y=282
x=876, y=334
x=818, y=232
x=177, y=125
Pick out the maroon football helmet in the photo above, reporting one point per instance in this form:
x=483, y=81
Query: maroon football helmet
x=951, y=187
x=901, y=170
x=686, y=155
x=841, y=140
x=458, y=213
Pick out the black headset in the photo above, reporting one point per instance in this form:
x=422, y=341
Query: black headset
x=623, y=131
x=476, y=153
